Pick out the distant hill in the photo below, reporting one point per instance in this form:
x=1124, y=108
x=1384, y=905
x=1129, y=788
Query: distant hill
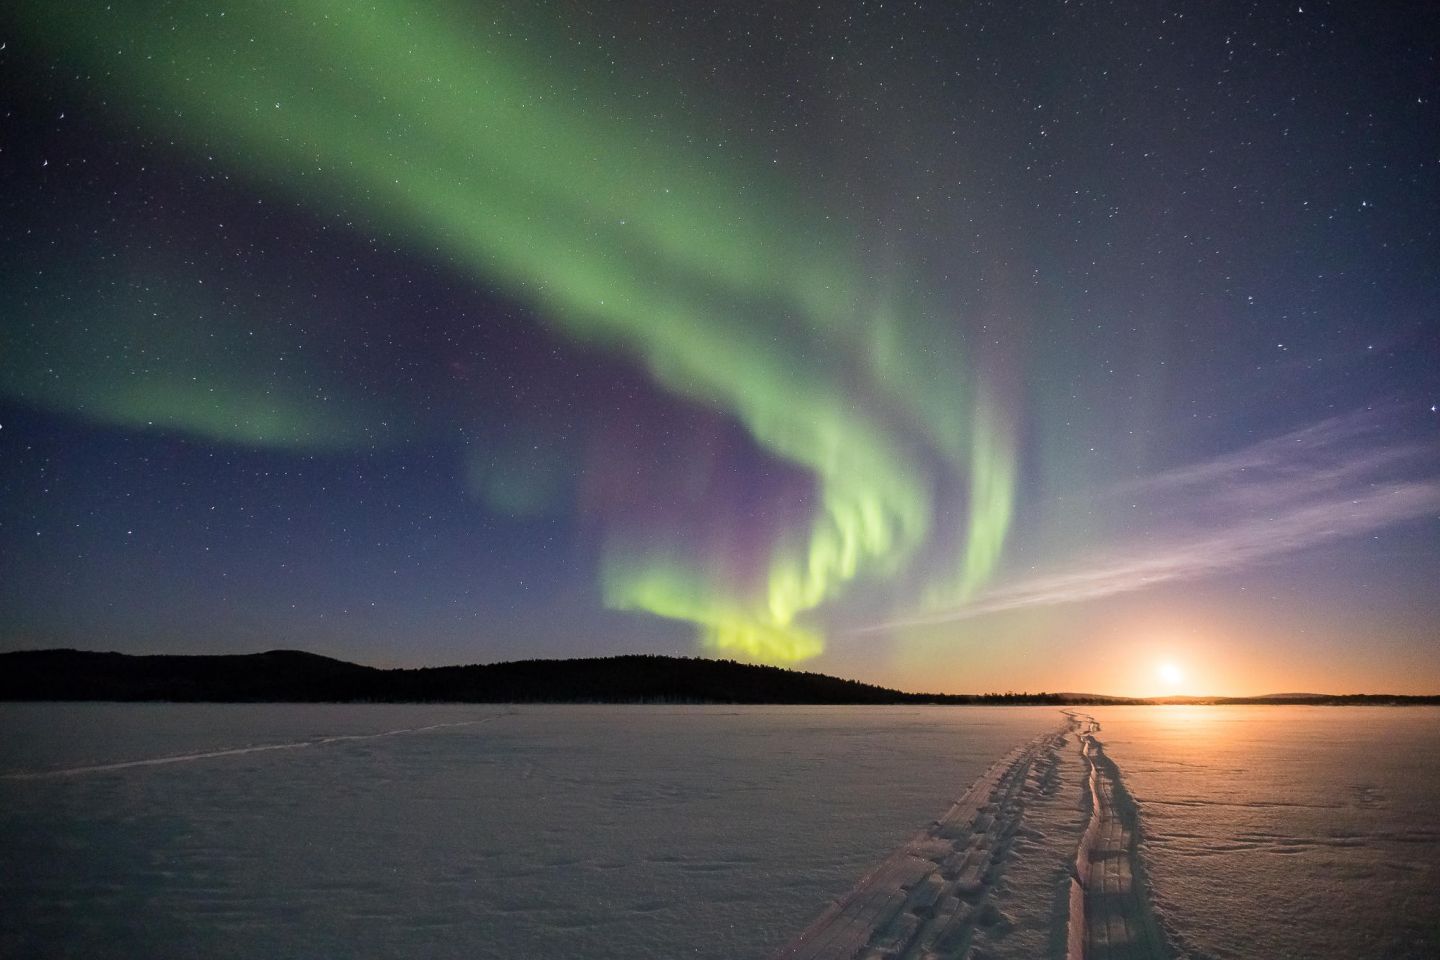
x=295, y=676
x=277, y=675
x=1331, y=700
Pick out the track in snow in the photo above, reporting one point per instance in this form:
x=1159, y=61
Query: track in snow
x=930, y=897
x=1110, y=913
x=936, y=896
x=233, y=752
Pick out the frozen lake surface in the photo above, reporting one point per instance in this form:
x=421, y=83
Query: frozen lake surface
x=581, y=832
x=1288, y=831
x=542, y=832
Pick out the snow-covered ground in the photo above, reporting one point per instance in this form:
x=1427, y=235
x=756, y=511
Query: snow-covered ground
x=537, y=832
x=610, y=831
x=1307, y=832
x=989, y=878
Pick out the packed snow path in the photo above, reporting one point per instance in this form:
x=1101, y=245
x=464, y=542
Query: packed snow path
x=939, y=895
x=1110, y=913
x=930, y=896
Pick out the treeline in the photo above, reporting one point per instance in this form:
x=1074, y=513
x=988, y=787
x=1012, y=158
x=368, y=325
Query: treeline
x=297, y=677
x=294, y=676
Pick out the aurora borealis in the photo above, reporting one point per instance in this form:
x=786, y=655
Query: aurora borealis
x=806, y=333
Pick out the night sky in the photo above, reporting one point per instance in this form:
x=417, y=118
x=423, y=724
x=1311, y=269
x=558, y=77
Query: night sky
x=953, y=346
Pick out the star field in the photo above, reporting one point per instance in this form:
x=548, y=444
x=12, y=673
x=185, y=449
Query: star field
x=911, y=341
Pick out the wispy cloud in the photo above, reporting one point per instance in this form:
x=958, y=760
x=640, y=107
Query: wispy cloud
x=1322, y=483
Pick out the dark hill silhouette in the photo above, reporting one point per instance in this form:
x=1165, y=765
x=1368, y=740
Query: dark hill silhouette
x=298, y=677
x=291, y=675
x=277, y=675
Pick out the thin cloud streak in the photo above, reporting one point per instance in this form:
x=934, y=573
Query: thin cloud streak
x=1275, y=498
x=1323, y=456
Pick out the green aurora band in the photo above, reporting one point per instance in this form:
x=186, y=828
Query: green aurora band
x=157, y=354
x=731, y=286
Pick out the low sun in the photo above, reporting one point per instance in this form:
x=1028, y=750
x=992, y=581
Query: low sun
x=1171, y=673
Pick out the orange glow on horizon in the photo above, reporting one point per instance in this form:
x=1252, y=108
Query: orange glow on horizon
x=1117, y=648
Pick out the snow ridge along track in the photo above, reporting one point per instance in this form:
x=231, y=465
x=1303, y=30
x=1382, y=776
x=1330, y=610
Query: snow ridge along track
x=938, y=895
x=930, y=897
x=1110, y=913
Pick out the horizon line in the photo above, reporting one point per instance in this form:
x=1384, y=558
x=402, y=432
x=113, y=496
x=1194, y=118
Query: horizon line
x=1175, y=699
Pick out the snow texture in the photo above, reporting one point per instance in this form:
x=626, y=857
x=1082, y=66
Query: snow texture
x=567, y=832
x=1286, y=831
x=1142, y=833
